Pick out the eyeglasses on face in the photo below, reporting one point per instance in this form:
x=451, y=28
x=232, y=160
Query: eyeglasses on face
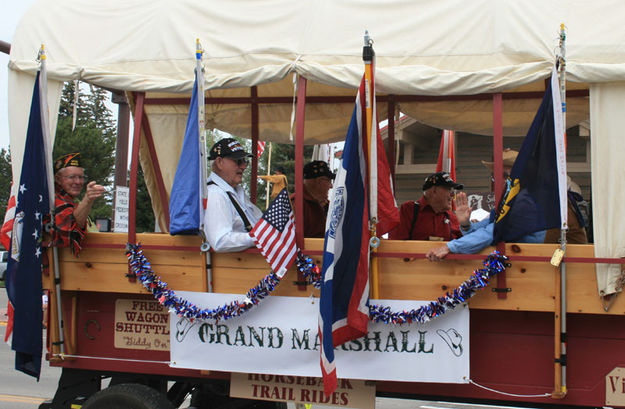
x=240, y=161
x=76, y=178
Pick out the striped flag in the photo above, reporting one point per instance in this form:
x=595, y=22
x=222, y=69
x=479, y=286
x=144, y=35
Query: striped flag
x=447, y=154
x=7, y=225
x=343, y=311
x=274, y=234
x=261, y=148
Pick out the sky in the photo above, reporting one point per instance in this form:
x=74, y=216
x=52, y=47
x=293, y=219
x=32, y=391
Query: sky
x=10, y=15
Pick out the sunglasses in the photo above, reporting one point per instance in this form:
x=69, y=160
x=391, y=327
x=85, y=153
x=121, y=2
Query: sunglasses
x=240, y=161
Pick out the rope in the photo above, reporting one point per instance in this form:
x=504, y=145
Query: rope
x=543, y=395
x=63, y=356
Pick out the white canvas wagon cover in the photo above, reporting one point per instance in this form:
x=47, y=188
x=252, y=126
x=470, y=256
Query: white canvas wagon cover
x=428, y=48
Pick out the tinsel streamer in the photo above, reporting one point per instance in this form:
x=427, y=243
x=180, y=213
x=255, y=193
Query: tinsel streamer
x=140, y=266
x=494, y=264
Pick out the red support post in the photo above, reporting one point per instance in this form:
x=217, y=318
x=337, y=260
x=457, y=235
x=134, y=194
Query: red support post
x=255, y=132
x=391, y=136
x=134, y=167
x=300, y=114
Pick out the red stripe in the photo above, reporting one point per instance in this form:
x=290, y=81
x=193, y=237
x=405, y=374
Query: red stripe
x=287, y=244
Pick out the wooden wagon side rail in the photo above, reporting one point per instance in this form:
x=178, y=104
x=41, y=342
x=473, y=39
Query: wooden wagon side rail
x=102, y=267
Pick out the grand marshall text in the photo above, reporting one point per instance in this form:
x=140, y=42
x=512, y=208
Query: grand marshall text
x=307, y=339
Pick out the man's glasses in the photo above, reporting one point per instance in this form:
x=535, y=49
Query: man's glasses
x=241, y=161
x=76, y=178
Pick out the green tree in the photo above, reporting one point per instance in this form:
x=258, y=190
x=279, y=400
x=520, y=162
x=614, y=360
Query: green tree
x=93, y=137
x=5, y=181
x=145, y=214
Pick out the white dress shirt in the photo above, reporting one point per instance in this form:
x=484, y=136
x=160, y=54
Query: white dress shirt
x=223, y=227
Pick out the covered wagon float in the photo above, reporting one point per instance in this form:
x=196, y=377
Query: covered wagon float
x=162, y=316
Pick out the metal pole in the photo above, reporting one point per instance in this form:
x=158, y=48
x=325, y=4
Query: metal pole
x=201, y=117
x=372, y=139
x=43, y=84
x=563, y=231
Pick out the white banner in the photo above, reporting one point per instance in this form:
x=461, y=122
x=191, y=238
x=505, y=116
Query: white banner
x=279, y=337
x=122, y=195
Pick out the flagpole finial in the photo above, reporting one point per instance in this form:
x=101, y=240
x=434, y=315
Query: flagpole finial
x=198, y=49
x=367, y=49
x=42, y=53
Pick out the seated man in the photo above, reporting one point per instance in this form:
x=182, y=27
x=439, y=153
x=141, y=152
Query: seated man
x=70, y=219
x=230, y=214
x=576, y=233
x=479, y=235
x=431, y=217
x=317, y=183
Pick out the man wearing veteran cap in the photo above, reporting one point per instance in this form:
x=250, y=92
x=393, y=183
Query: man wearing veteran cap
x=317, y=183
x=70, y=218
x=431, y=217
x=479, y=235
x=230, y=214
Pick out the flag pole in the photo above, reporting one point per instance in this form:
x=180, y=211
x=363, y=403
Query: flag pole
x=199, y=78
x=268, y=173
x=560, y=388
x=367, y=57
x=43, y=93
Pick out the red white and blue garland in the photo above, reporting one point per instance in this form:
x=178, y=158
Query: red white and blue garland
x=142, y=269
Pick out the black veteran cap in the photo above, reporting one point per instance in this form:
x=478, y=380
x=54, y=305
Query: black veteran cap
x=228, y=148
x=70, y=159
x=441, y=179
x=316, y=169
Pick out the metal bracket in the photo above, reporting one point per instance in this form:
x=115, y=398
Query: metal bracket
x=501, y=290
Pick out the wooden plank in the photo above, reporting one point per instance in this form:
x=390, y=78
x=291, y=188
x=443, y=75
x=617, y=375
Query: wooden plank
x=106, y=277
x=118, y=256
x=410, y=277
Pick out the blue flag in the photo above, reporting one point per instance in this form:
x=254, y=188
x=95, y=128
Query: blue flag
x=343, y=310
x=186, y=209
x=531, y=200
x=23, y=279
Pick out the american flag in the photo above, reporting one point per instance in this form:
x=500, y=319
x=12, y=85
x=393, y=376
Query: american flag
x=261, y=148
x=274, y=234
x=7, y=226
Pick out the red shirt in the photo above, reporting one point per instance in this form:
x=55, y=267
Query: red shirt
x=66, y=232
x=429, y=224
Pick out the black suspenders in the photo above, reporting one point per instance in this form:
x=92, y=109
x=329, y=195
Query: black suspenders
x=246, y=222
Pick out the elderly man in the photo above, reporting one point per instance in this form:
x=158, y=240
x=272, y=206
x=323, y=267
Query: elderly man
x=317, y=183
x=431, y=217
x=70, y=218
x=230, y=214
x=479, y=235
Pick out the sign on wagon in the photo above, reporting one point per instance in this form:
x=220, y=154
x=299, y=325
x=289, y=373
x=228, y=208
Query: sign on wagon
x=279, y=337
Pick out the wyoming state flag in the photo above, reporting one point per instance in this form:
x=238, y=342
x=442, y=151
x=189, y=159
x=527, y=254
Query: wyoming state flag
x=535, y=194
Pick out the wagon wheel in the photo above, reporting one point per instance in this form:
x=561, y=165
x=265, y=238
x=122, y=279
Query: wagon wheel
x=128, y=396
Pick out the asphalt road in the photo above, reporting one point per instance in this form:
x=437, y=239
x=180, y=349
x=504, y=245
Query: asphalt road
x=18, y=390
